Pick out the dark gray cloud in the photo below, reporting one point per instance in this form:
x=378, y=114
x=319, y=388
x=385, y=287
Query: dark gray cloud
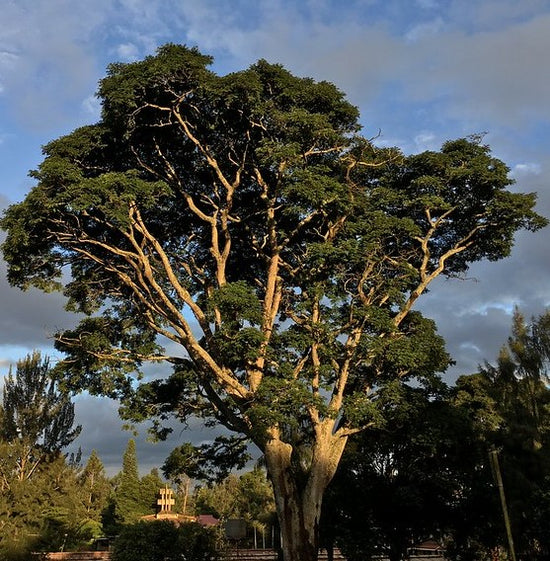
x=29, y=318
x=104, y=432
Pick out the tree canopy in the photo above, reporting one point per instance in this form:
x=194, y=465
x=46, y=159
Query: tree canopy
x=240, y=228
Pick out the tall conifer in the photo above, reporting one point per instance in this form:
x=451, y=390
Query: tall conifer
x=127, y=498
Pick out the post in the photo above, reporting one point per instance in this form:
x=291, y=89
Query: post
x=493, y=456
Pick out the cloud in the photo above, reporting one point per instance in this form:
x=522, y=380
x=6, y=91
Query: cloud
x=426, y=29
x=48, y=62
x=128, y=52
x=530, y=168
x=491, y=77
x=92, y=106
x=426, y=141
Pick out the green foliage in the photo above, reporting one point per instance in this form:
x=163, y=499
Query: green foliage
x=304, y=187
x=207, y=462
x=95, y=491
x=41, y=504
x=242, y=222
x=164, y=541
x=44, y=511
x=425, y=470
x=399, y=483
x=248, y=496
x=149, y=487
x=509, y=403
x=131, y=497
x=34, y=411
x=257, y=504
x=129, y=501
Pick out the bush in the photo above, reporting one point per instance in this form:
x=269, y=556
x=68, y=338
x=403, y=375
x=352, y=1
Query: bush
x=163, y=541
x=12, y=549
x=197, y=543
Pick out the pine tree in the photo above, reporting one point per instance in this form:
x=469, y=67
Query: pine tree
x=37, y=418
x=127, y=499
x=150, y=485
x=95, y=487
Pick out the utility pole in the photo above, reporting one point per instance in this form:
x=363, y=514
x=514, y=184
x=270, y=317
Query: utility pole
x=493, y=456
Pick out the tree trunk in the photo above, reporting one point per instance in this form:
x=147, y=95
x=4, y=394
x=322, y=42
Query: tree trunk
x=298, y=497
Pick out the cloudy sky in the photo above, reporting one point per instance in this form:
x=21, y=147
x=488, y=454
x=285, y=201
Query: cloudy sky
x=421, y=72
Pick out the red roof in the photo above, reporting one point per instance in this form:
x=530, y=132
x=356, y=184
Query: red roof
x=207, y=520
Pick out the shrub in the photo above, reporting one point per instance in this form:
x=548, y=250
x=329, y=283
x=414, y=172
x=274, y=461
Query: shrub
x=163, y=541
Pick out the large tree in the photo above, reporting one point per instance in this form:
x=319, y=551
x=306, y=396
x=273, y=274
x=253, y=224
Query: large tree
x=243, y=220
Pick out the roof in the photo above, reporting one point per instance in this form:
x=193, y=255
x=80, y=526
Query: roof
x=207, y=520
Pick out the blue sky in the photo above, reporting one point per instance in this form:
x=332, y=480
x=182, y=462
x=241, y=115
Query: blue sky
x=421, y=72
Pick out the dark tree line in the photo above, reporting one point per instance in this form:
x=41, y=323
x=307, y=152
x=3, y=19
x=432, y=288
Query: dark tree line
x=426, y=472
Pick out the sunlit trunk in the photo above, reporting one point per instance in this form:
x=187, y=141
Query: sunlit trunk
x=299, y=501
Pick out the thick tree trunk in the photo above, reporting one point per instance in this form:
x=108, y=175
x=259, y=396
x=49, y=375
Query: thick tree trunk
x=299, y=497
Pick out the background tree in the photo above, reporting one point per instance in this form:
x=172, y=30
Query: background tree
x=37, y=418
x=257, y=501
x=44, y=512
x=95, y=488
x=243, y=219
x=248, y=496
x=131, y=496
x=38, y=486
x=127, y=496
x=400, y=484
x=150, y=485
x=220, y=500
x=426, y=470
x=509, y=403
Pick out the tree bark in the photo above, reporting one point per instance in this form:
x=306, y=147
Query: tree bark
x=298, y=496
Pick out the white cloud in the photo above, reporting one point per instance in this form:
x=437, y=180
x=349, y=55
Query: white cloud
x=128, y=52
x=92, y=106
x=426, y=141
x=8, y=59
x=521, y=170
x=426, y=29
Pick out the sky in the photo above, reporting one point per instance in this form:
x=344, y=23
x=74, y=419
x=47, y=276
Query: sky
x=420, y=71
